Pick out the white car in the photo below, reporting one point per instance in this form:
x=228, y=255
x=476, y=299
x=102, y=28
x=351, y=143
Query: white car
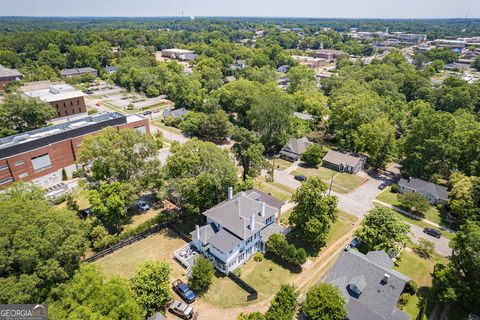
x=181, y=309
x=142, y=205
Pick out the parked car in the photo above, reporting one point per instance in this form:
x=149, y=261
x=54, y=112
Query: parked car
x=146, y=113
x=89, y=92
x=300, y=178
x=353, y=244
x=433, y=232
x=184, y=291
x=142, y=205
x=382, y=186
x=181, y=309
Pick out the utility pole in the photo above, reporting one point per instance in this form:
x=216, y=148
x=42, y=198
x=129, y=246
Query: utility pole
x=331, y=183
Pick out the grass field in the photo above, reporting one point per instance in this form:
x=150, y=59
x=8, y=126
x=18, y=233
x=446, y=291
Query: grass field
x=159, y=246
x=160, y=124
x=342, y=182
x=265, y=276
x=140, y=218
x=281, y=164
x=276, y=189
x=322, y=172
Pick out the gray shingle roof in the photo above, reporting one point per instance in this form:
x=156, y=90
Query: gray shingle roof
x=419, y=185
x=297, y=146
x=177, y=113
x=265, y=197
x=7, y=73
x=338, y=158
x=224, y=241
x=381, y=259
x=379, y=298
x=235, y=214
x=206, y=232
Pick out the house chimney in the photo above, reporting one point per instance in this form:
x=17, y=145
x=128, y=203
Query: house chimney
x=385, y=279
x=197, y=231
x=262, y=211
x=230, y=193
x=252, y=223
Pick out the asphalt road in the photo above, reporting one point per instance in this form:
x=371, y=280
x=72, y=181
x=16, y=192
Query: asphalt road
x=359, y=201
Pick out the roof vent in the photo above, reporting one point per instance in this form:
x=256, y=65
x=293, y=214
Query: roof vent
x=385, y=279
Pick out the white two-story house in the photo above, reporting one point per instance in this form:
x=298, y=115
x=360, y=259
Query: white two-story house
x=237, y=228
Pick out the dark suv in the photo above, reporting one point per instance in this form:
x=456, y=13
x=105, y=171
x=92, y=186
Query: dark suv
x=433, y=232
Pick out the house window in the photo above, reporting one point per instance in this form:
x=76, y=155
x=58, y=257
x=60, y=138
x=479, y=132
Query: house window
x=65, y=104
x=23, y=175
x=59, y=114
x=18, y=163
x=3, y=167
x=78, y=101
x=6, y=181
x=79, y=109
x=41, y=162
x=71, y=103
x=57, y=105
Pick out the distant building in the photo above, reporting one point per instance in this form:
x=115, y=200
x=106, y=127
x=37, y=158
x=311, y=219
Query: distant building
x=294, y=149
x=229, y=79
x=310, y=61
x=434, y=193
x=369, y=285
x=344, y=161
x=65, y=99
x=329, y=54
x=237, y=228
x=238, y=64
x=77, y=72
x=40, y=155
x=8, y=75
x=179, y=54
x=283, y=69
x=110, y=69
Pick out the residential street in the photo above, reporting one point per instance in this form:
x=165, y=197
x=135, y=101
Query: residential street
x=359, y=201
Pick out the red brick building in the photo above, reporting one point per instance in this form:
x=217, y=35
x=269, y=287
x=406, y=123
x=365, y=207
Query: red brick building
x=65, y=99
x=8, y=75
x=40, y=155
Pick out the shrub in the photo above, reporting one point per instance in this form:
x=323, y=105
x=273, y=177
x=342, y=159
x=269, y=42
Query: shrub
x=71, y=202
x=130, y=106
x=425, y=248
x=394, y=188
x=411, y=287
x=75, y=174
x=404, y=298
x=414, y=202
x=279, y=246
x=258, y=257
x=64, y=174
x=60, y=199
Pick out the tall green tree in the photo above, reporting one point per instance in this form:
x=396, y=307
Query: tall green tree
x=202, y=275
x=40, y=246
x=458, y=282
x=324, y=302
x=121, y=155
x=151, y=285
x=248, y=151
x=110, y=203
x=19, y=114
x=382, y=230
x=464, y=196
x=313, y=155
x=300, y=76
x=88, y=295
x=315, y=212
x=283, y=305
x=199, y=175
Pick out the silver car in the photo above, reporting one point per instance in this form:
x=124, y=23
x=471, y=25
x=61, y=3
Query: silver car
x=181, y=309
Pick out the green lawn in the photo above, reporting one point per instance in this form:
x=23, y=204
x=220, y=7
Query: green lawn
x=276, y=189
x=159, y=246
x=322, y=172
x=137, y=219
x=281, y=164
x=342, y=182
x=160, y=124
x=265, y=276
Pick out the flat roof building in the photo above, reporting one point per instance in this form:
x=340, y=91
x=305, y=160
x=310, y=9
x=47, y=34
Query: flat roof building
x=65, y=99
x=40, y=155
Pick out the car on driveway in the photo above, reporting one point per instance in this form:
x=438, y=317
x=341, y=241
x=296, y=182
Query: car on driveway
x=300, y=178
x=433, y=232
x=142, y=205
x=146, y=113
x=382, y=186
x=181, y=309
x=184, y=291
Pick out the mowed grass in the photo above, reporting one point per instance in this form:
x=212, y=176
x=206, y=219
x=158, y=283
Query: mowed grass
x=276, y=189
x=342, y=226
x=415, y=267
x=281, y=164
x=265, y=276
x=157, y=247
x=342, y=182
x=136, y=220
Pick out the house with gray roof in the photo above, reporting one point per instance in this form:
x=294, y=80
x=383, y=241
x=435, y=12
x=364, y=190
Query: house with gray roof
x=78, y=72
x=344, y=161
x=369, y=285
x=434, y=193
x=294, y=149
x=237, y=228
x=8, y=75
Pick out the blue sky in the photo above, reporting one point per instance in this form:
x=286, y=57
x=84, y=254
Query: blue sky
x=276, y=8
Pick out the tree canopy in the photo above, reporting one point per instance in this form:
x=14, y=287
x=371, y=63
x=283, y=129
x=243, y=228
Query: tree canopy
x=324, y=302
